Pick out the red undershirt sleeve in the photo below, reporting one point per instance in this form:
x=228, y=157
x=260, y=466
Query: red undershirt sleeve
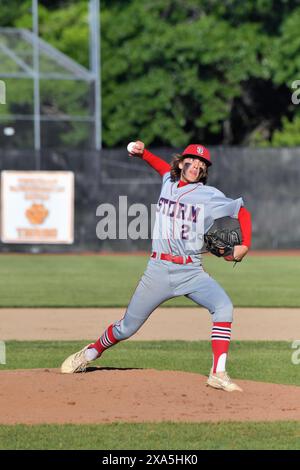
x=157, y=163
x=244, y=217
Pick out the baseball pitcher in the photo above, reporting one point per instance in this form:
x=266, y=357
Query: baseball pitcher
x=186, y=214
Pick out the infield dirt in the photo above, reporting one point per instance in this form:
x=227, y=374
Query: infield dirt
x=190, y=324
x=135, y=395
x=105, y=395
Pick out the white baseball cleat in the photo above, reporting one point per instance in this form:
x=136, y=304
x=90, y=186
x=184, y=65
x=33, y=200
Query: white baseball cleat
x=221, y=380
x=76, y=362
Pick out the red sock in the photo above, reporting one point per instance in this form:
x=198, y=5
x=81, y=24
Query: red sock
x=220, y=341
x=105, y=341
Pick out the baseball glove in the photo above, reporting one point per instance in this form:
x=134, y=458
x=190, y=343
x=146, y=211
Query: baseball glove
x=222, y=237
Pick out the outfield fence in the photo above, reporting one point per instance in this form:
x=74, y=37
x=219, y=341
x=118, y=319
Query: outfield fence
x=267, y=179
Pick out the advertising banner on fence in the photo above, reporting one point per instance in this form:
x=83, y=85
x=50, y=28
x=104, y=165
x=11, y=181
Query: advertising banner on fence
x=37, y=207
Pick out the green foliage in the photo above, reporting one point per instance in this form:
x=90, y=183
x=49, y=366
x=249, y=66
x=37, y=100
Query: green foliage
x=285, y=58
x=284, y=62
x=178, y=70
x=9, y=10
x=66, y=29
x=289, y=136
x=172, y=83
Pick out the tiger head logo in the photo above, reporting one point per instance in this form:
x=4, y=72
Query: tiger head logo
x=36, y=214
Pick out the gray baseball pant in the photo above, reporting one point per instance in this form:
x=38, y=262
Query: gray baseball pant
x=164, y=280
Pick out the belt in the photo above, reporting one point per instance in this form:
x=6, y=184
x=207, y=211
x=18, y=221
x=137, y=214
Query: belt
x=172, y=258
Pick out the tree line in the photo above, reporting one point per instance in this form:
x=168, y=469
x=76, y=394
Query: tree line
x=176, y=71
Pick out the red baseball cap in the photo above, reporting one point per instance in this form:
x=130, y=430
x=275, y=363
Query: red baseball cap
x=199, y=151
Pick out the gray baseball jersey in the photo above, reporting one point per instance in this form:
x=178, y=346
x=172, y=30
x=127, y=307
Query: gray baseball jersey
x=183, y=216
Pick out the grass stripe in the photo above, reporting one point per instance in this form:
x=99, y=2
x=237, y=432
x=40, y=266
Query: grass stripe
x=109, y=281
x=266, y=361
x=169, y=436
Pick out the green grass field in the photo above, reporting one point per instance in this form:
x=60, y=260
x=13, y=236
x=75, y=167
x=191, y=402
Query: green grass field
x=248, y=360
x=166, y=436
x=253, y=360
x=109, y=281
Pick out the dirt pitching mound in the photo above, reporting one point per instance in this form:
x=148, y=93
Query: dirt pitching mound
x=135, y=395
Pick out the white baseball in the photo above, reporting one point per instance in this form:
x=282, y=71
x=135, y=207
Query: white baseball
x=130, y=147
